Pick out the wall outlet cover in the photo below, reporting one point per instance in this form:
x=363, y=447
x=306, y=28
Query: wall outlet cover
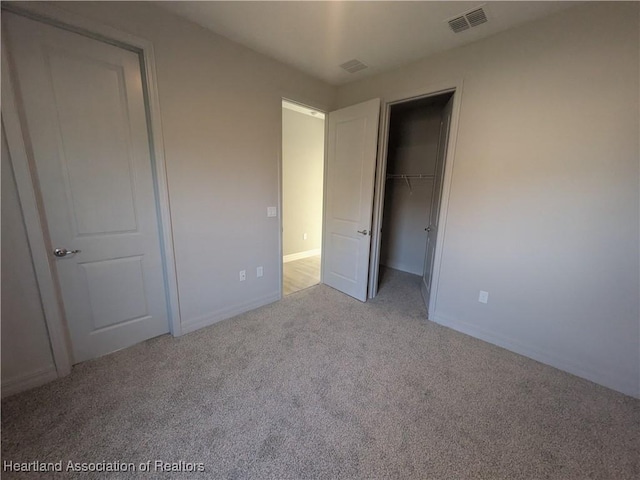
x=259, y=272
x=272, y=211
x=243, y=275
x=483, y=297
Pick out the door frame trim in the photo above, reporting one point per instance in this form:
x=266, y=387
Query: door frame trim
x=455, y=86
x=27, y=185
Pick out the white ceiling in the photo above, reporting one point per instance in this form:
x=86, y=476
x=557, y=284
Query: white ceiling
x=317, y=36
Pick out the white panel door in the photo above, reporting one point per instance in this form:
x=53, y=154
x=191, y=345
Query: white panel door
x=86, y=124
x=351, y=163
x=434, y=214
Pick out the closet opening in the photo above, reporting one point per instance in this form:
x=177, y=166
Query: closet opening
x=303, y=139
x=416, y=153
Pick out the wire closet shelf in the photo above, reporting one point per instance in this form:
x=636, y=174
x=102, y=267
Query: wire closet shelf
x=408, y=177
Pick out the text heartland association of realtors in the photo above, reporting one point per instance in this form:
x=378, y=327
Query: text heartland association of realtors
x=104, y=466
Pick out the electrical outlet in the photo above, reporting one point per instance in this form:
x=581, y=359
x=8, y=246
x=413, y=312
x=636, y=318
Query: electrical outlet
x=259, y=272
x=243, y=275
x=272, y=211
x=304, y=236
x=483, y=297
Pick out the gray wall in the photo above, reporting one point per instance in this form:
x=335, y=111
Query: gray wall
x=413, y=149
x=302, y=181
x=26, y=355
x=544, y=205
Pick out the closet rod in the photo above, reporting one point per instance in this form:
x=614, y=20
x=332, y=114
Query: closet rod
x=417, y=175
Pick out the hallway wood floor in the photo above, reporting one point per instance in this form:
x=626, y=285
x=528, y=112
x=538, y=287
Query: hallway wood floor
x=301, y=274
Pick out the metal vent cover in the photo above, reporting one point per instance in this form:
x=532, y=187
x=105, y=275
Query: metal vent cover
x=467, y=20
x=459, y=24
x=353, y=66
x=476, y=17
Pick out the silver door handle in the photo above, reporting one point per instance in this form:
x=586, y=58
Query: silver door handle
x=63, y=252
x=428, y=229
x=363, y=232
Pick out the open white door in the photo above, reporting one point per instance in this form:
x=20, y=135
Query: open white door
x=85, y=116
x=351, y=165
x=434, y=214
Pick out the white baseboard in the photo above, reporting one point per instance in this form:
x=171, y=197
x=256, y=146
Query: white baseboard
x=28, y=381
x=227, y=312
x=612, y=380
x=301, y=255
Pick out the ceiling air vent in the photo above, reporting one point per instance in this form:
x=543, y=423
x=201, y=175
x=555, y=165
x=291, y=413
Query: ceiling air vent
x=472, y=18
x=459, y=24
x=476, y=17
x=353, y=66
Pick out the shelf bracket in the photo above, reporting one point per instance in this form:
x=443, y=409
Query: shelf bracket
x=406, y=179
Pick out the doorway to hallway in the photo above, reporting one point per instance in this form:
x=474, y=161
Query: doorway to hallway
x=303, y=143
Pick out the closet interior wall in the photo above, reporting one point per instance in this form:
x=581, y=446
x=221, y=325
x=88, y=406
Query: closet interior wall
x=414, y=129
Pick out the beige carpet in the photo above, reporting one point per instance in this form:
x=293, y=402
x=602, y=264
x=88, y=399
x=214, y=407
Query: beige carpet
x=322, y=386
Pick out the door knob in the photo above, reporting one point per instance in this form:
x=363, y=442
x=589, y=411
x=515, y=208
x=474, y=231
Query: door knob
x=363, y=232
x=428, y=229
x=63, y=252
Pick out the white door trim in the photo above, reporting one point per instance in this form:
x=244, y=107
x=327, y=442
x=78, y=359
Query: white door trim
x=28, y=190
x=378, y=204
